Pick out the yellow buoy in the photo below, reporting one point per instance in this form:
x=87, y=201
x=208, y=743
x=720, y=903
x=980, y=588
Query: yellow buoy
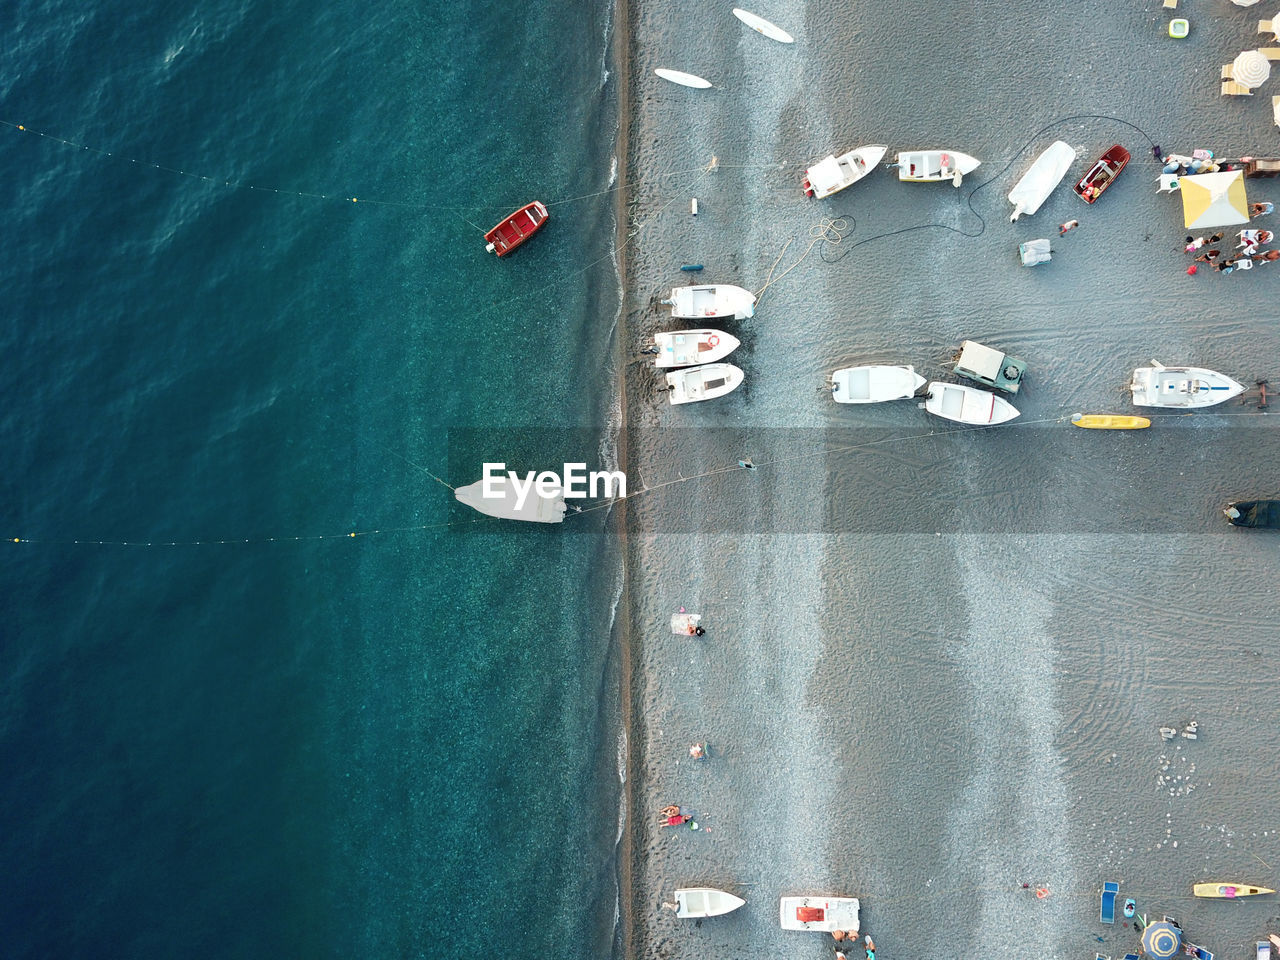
x=1106, y=421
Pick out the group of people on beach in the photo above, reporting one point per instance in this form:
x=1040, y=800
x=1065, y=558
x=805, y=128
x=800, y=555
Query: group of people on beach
x=841, y=938
x=1249, y=248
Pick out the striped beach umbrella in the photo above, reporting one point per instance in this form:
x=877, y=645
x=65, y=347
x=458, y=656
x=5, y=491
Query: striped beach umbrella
x=1213, y=199
x=1161, y=940
x=1251, y=68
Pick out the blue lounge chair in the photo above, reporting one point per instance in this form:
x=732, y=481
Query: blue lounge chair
x=1109, y=891
x=1130, y=956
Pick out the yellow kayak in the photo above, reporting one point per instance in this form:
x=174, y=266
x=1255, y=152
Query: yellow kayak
x=1227, y=891
x=1106, y=421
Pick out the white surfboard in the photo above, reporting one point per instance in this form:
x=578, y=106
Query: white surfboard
x=684, y=79
x=763, y=27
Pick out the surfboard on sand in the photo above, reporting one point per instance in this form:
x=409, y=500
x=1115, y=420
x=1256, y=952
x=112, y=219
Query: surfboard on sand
x=762, y=26
x=684, y=79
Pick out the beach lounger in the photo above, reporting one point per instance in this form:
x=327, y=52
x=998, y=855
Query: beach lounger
x=1130, y=956
x=1109, y=891
x=1171, y=4
x=1271, y=53
x=1232, y=89
x=1168, y=183
x=1228, y=71
x=1266, y=26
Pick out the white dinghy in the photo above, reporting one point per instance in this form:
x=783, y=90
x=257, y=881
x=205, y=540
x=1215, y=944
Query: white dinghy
x=1041, y=180
x=698, y=902
x=955, y=401
x=763, y=27
x=703, y=383
x=682, y=78
x=820, y=913
x=711, y=300
x=1161, y=386
x=832, y=174
x=875, y=384
x=684, y=348
x=535, y=508
x=934, y=166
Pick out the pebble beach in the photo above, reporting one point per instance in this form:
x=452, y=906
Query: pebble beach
x=937, y=660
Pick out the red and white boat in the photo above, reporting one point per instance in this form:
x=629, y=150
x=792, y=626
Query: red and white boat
x=516, y=229
x=1102, y=174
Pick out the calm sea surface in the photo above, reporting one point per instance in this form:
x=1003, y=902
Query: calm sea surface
x=401, y=744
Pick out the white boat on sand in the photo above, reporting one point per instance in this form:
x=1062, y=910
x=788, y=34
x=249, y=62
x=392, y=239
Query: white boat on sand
x=684, y=348
x=682, y=78
x=955, y=401
x=705, y=902
x=1161, y=386
x=832, y=174
x=819, y=913
x=934, y=166
x=1041, y=180
x=703, y=383
x=763, y=27
x=507, y=506
x=711, y=300
x=875, y=384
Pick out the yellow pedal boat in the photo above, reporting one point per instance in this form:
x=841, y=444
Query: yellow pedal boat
x=1106, y=421
x=1228, y=891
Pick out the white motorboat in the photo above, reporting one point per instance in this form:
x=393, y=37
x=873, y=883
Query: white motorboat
x=955, y=401
x=934, y=166
x=711, y=300
x=875, y=384
x=682, y=78
x=508, y=505
x=820, y=913
x=1041, y=180
x=703, y=383
x=1161, y=386
x=705, y=902
x=832, y=174
x=684, y=348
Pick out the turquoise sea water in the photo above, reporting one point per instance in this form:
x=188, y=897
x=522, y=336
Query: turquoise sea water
x=401, y=744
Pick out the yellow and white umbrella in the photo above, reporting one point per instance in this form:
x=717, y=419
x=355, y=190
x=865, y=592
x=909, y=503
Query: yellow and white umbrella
x=1213, y=199
x=1251, y=68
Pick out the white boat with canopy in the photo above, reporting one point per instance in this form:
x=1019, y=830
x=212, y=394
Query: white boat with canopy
x=507, y=506
x=1041, y=180
x=832, y=174
x=934, y=166
x=685, y=348
x=698, y=902
x=875, y=384
x=955, y=401
x=825, y=914
x=711, y=300
x=1161, y=386
x=703, y=383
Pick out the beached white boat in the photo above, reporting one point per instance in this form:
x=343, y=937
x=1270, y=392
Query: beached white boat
x=820, y=913
x=682, y=78
x=1041, y=180
x=703, y=383
x=535, y=508
x=875, y=384
x=762, y=26
x=705, y=902
x=934, y=166
x=832, y=174
x=711, y=300
x=684, y=348
x=955, y=401
x=1161, y=386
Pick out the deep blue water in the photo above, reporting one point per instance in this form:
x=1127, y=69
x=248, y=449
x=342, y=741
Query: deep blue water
x=401, y=744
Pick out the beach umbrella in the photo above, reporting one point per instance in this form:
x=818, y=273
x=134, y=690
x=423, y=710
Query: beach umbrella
x=1251, y=68
x=1161, y=940
x=1213, y=199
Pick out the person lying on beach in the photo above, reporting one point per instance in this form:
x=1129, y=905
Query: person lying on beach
x=1209, y=256
x=678, y=820
x=670, y=811
x=1195, y=243
x=1266, y=256
x=1260, y=209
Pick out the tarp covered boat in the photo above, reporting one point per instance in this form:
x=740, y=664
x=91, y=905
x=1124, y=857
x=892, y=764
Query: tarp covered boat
x=1038, y=182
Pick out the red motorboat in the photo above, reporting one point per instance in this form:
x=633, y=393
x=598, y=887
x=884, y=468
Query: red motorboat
x=1102, y=173
x=516, y=229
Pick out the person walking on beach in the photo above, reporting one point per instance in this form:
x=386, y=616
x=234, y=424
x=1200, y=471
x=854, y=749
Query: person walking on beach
x=1069, y=225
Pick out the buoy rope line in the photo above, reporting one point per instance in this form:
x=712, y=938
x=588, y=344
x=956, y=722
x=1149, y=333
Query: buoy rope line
x=591, y=508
